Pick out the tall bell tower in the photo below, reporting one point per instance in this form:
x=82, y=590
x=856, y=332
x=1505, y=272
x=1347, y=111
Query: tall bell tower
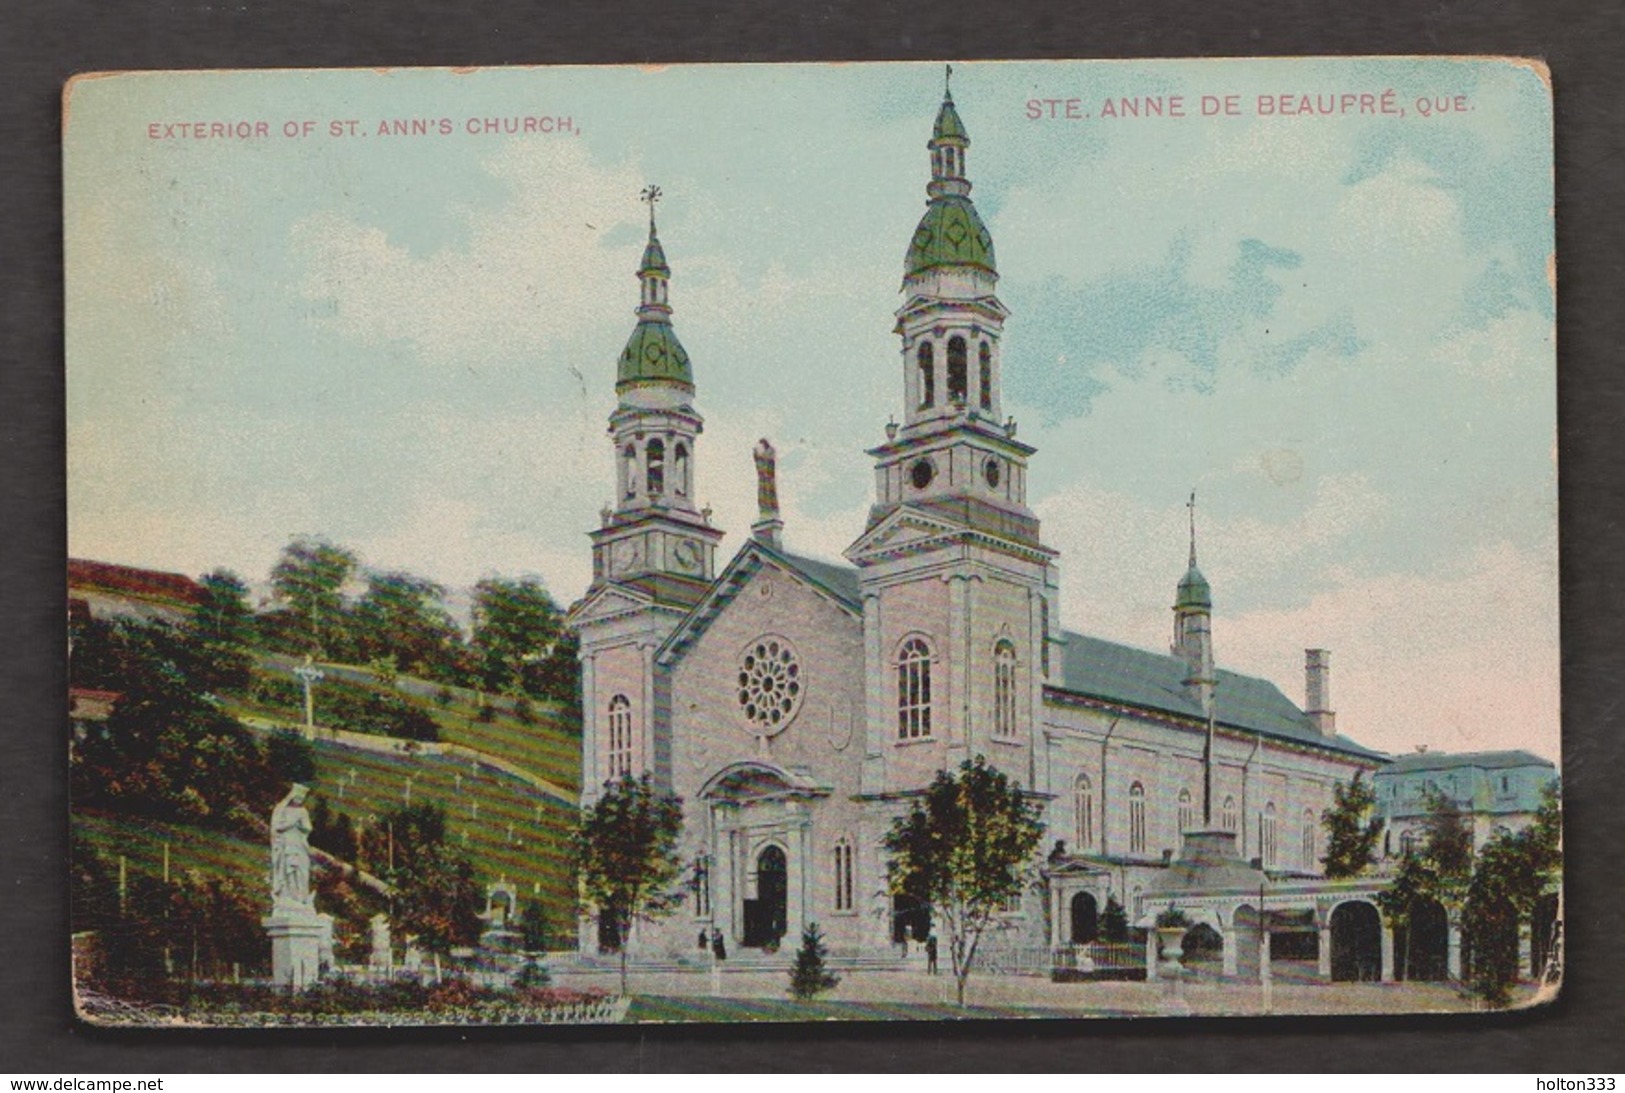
x=654, y=552
x=959, y=590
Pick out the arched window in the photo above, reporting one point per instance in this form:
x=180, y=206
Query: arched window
x=914, y=690
x=1266, y=834
x=928, y=375
x=958, y=366
x=1136, y=819
x=620, y=736
x=985, y=375
x=1309, y=848
x=655, y=454
x=630, y=459
x=679, y=469
x=843, y=874
x=1004, y=688
x=1083, y=808
x=1187, y=811
x=1227, y=814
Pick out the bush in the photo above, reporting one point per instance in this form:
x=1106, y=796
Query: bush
x=808, y=976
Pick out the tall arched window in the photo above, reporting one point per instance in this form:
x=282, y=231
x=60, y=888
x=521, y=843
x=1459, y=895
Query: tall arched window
x=1309, y=848
x=928, y=375
x=620, y=736
x=1136, y=819
x=1083, y=808
x=1227, y=814
x=630, y=459
x=679, y=469
x=655, y=455
x=985, y=375
x=1266, y=834
x=1004, y=688
x=958, y=367
x=914, y=690
x=1187, y=811
x=843, y=874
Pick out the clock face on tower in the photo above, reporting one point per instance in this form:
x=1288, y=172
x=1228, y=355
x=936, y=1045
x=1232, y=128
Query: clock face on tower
x=625, y=555
x=687, y=556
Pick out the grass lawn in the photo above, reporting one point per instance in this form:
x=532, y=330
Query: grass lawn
x=141, y=843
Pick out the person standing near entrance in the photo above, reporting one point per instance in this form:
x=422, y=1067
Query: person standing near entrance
x=931, y=955
x=719, y=948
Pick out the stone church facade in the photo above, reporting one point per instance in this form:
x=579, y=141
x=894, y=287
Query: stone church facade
x=797, y=706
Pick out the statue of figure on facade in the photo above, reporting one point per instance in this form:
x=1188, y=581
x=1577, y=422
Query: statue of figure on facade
x=290, y=851
x=767, y=485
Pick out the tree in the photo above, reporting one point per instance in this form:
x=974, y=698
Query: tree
x=808, y=976
x=516, y=627
x=965, y=850
x=434, y=893
x=626, y=856
x=309, y=578
x=1114, y=920
x=403, y=618
x=1439, y=869
x=1352, y=830
x=536, y=932
x=223, y=626
x=1511, y=874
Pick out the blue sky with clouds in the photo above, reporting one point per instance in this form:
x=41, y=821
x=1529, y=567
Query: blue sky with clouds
x=1338, y=329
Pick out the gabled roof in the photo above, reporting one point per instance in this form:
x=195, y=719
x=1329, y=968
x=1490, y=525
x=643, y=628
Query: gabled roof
x=1122, y=674
x=1483, y=760
x=837, y=582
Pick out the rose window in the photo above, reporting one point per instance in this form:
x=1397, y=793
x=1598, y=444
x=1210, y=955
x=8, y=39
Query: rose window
x=769, y=685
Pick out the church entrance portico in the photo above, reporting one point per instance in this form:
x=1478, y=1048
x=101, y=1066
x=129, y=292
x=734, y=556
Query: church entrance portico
x=761, y=825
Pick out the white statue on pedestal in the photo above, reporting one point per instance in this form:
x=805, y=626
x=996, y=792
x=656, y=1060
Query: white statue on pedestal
x=290, y=852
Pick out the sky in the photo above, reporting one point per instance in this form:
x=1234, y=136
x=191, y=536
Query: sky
x=1336, y=325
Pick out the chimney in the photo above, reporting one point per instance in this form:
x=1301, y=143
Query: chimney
x=1317, y=672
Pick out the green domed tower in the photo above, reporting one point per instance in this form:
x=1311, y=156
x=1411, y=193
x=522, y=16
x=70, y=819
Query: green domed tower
x=654, y=527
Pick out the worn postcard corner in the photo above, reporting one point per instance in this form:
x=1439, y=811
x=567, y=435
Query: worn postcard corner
x=808, y=542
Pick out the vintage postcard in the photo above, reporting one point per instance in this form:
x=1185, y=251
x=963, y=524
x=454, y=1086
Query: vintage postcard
x=812, y=542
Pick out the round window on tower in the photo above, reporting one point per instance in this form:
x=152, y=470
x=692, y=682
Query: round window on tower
x=990, y=471
x=921, y=474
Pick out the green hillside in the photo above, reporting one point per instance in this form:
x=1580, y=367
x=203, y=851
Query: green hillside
x=481, y=806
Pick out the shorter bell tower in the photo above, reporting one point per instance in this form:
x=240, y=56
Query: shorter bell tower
x=654, y=551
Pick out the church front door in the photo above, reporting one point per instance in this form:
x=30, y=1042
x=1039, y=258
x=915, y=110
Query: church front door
x=766, y=916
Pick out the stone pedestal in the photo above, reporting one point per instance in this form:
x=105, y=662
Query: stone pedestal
x=301, y=942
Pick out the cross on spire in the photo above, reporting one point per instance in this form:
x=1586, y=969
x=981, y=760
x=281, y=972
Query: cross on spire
x=947, y=82
x=650, y=195
x=1191, y=504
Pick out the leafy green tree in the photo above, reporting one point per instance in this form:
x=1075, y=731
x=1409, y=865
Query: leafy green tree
x=403, y=618
x=1439, y=869
x=516, y=627
x=223, y=628
x=434, y=892
x=535, y=929
x=965, y=850
x=1352, y=828
x=290, y=756
x=808, y=975
x=165, y=751
x=626, y=855
x=1114, y=920
x=1511, y=874
x=309, y=578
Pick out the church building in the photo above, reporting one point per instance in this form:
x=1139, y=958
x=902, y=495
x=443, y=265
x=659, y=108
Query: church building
x=798, y=705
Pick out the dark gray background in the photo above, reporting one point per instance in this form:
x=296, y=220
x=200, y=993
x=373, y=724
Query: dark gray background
x=41, y=45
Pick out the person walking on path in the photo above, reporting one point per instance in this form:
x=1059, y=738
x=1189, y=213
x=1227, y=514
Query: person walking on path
x=931, y=955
